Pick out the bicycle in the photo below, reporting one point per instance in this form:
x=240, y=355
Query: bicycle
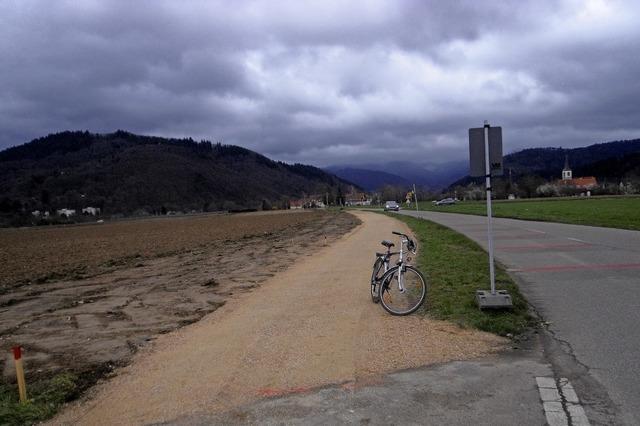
x=401, y=289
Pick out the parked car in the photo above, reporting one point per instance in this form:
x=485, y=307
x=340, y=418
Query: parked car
x=445, y=201
x=391, y=205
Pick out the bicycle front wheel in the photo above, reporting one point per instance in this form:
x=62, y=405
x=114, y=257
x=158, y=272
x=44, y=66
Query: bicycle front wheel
x=403, y=300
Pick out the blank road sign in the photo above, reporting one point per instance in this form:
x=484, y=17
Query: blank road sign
x=476, y=151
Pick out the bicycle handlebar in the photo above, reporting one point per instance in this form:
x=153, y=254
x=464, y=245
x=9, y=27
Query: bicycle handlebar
x=411, y=245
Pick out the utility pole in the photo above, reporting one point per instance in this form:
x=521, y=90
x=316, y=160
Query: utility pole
x=415, y=195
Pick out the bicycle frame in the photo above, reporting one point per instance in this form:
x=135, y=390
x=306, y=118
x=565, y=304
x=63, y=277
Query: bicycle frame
x=386, y=257
x=400, y=262
x=404, y=241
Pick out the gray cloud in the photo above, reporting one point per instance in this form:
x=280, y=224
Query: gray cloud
x=324, y=82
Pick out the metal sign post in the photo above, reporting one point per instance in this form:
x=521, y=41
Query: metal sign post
x=415, y=195
x=485, y=154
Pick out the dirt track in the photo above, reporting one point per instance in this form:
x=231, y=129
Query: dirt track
x=310, y=325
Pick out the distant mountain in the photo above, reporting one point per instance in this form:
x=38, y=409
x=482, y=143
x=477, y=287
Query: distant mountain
x=370, y=180
x=123, y=173
x=396, y=173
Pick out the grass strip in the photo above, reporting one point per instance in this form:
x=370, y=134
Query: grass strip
x=616, y=212
x=45, y=398
x=456, y=267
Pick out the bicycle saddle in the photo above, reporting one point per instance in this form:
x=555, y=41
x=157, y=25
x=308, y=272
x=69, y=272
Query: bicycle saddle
x=386, y=243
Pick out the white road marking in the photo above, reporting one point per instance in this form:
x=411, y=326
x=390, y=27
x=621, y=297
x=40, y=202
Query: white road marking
x=555, y=414
x=578, y=416
x=560, y=403
x=568, y=391
x=576, y=239
x=534, y=230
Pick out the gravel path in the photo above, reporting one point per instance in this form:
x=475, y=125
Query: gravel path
x=311, y=325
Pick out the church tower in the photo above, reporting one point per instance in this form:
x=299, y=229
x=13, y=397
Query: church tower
x=566, y=172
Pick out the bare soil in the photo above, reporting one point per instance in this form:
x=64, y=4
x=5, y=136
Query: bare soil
x=137, y=279
x=38, y=255
x=310, y=325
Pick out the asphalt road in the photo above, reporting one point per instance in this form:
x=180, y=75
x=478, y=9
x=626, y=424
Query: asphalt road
x=459, y=393
x=584, y=281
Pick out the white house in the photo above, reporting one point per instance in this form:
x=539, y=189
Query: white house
x=91, y=210
x=357, y=199
x=66, y=212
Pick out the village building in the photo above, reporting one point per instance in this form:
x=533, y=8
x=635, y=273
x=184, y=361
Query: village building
x=66, y=212
x=587, y=182
x=93, y=211
x=296, y=204
x=357, y=199
x=566, y=172
x=311, y=202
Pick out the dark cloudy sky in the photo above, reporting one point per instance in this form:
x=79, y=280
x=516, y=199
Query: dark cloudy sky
x=324, y=82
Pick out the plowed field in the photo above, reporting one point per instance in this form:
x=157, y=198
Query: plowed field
x=44, y=254
x=84, y=298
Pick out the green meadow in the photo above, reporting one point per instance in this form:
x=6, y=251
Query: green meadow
x=611, y=212
x=455, y=267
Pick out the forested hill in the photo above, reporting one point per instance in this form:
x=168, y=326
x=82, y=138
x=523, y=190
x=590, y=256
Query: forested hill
x=610, y=160
x=549, y=162
x=125, y=173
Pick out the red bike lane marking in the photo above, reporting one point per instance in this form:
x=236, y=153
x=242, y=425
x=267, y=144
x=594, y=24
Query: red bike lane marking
x=543, y=247
x=560, y=268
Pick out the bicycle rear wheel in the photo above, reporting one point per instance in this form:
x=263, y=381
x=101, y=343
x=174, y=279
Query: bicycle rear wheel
x=398, y=302
x=377, y=273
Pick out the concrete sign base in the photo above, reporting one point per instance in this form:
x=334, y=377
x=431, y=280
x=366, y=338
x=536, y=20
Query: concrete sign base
x=500, y=300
